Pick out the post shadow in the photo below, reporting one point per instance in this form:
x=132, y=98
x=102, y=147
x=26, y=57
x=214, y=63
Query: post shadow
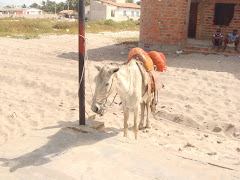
x=57, y=144
x=100, y=54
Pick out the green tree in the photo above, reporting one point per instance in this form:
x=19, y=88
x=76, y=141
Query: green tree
x=129, y=1
x=87, y=2
x=73, y=4
x=43, y=3
x=60, y=6
x=138, y=2
x=24, y=6
x=35, y=5
x=48, y=6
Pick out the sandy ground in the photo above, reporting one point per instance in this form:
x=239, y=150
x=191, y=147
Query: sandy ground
x=196, y=134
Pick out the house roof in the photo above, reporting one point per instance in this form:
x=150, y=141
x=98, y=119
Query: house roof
x=66, y=12
x=18, y=9
x=126, y=5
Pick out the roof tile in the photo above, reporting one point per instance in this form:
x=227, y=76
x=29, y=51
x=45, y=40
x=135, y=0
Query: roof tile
x=126, y=5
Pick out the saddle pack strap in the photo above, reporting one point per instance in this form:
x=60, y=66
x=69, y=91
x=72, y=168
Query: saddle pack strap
x=154, y=84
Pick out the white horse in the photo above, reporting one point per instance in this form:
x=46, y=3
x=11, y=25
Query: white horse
x=130, y=81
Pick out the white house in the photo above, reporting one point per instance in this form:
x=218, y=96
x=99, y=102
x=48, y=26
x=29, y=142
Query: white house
x=32, y=11
x=116, y=10
x=87, y=11
x=20, y=11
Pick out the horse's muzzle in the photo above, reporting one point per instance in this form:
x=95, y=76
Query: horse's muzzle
x=97, y=108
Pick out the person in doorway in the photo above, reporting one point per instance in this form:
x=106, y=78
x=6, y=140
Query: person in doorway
x=217, y=39
x=232, y=40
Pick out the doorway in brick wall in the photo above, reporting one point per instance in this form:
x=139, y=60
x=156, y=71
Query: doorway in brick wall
x=192, y=29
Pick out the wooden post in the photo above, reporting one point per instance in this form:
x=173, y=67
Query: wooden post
x=81, y=36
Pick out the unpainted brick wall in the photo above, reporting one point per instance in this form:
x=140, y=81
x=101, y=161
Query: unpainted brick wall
x=205, y=24
x=164, y=21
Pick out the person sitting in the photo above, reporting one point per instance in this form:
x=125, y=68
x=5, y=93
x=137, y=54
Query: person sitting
x=217, y=39
x=232, y=40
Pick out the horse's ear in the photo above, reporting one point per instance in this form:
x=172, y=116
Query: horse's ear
x=98, y=67
x=113, y=70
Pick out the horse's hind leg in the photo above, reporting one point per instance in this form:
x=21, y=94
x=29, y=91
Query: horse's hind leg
x=147, y=107
x=135, y=127
x=142, y=115
x=126, y=117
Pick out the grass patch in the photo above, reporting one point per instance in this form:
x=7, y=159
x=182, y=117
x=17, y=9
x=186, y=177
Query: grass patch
x=33, y=28
x=110, y=25
x=128, y=41
x=26, y=36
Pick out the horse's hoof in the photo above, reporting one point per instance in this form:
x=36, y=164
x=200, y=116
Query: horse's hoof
x=140, y=127
x=148, y=126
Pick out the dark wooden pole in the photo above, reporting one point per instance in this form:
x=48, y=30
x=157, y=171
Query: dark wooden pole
x=81, y=45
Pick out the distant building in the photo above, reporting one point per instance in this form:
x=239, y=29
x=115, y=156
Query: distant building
x=21, y=11
x=116, y=10
x=33, y=11
x=87, y=11
x=67, y=13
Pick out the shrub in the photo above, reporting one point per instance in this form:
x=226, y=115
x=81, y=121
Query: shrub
x=61, y=25
x=110, y=22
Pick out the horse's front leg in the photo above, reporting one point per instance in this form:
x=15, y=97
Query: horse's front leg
x=142, y=115
x=126, y=117
x=135, y=127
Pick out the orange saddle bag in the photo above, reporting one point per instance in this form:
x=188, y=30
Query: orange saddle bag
x=148, y=64
x=159, y=60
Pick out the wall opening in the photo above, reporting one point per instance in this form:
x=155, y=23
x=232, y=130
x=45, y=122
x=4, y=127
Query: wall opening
x=192, y=29
x=223, y=14
x=112, y=13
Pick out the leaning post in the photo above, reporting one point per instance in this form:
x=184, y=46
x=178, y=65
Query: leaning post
x=81, y=50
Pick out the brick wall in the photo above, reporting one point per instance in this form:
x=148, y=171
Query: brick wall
x=205, y=24
x=164, y=22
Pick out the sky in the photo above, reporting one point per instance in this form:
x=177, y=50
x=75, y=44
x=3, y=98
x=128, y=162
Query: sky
x=27, y=2
x=21, y=2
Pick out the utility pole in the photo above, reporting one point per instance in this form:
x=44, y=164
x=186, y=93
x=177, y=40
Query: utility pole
x=55, y=8
x=81, y=46
x=68, y=8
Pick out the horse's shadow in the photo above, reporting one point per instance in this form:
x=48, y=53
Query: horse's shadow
x=59, y=143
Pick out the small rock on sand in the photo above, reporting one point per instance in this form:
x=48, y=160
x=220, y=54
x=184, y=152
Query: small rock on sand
x=217, y=129
x=205, y=135
x=99, y=126
x=92, y=117
x=236, y=134
x=189, y=145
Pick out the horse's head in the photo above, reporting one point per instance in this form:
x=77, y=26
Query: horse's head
x=104, y=87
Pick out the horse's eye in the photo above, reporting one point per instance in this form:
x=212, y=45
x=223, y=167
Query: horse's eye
x=106, y=84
